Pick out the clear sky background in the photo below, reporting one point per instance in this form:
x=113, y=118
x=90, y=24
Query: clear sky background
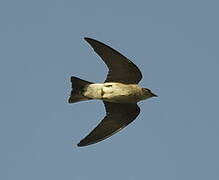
x=176, y=46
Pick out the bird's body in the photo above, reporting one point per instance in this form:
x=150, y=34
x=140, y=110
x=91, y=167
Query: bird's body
x=120, y=93
x=116, y=92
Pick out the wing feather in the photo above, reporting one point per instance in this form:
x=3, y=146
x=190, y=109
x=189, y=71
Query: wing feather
x=118, y=116
x=121, y=69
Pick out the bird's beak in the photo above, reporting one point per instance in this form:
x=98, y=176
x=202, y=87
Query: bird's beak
x=154, y=95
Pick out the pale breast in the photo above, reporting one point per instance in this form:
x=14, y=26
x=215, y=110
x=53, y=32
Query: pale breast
x=94, y=91
x=114, y=92
x=118, y=92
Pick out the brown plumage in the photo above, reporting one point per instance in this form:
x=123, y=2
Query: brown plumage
x=120, y=93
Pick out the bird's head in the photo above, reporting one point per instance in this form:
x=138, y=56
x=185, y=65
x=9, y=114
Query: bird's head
x=147, y=93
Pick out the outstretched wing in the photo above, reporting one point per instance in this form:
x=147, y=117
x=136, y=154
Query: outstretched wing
x=118, y=115
x=121, y=69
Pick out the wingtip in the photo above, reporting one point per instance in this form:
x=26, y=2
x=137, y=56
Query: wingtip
x=85, y=142
x=87, y=38
x=81, y=144
x=90, y=40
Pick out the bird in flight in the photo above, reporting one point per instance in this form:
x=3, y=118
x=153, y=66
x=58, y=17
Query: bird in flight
x=120, y=93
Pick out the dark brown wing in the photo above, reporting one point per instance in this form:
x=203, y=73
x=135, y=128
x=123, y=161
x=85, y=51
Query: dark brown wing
x=118, y=115
x=121, y=69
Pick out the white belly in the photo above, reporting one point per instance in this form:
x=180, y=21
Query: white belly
x=113, y=92
x=94, y=91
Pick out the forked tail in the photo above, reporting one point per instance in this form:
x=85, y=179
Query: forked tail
x=78, y=87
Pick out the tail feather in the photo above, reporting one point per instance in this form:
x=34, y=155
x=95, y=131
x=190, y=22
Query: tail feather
x=78, y=86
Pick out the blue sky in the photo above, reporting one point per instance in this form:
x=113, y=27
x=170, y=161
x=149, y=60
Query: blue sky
x=174, y=43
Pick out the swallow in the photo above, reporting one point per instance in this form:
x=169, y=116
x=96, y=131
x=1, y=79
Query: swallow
x=120, y=93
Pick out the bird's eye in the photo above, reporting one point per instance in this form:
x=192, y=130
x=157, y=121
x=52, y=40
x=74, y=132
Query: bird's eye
x=146, y=89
